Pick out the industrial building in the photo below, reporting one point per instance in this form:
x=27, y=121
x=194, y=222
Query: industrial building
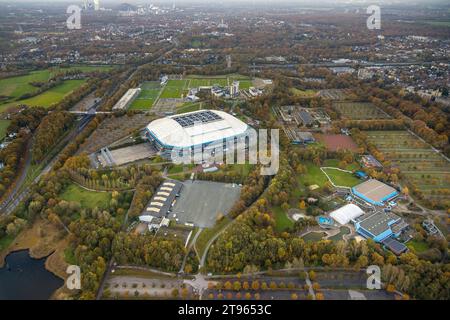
x=375, y=192
x=157, y=210
x=197, y=129
x=380, y=226
x=383, y=227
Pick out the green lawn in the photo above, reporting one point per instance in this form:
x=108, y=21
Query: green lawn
x=189, y=107
x=5, y=242
x=343, y=231
x=174, y=89
x=314, y=236
x=69, y=255
x=282, y=222
x=418, y=246
x=341, y=178
x=3, y=126
x=303, y=93
x=315, y=176
x=208, y=233
x=15, y=87
x=147, y=97
x=54, y=95
x=87, y=199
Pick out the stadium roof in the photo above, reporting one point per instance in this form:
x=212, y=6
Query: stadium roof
x=195, y=128
x=345, y=214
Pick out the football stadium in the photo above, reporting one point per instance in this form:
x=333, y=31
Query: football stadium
x=375, y=192
x=196, y=129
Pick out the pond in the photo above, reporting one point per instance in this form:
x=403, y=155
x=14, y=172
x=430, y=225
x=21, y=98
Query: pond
x=25, y=278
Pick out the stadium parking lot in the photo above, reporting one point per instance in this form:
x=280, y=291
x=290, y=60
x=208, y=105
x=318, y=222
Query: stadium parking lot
x=201, y=202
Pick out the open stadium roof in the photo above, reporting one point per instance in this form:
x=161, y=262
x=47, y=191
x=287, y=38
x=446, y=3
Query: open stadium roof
x=195, y=128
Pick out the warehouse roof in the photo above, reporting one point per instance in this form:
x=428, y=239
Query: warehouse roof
x=195, y=128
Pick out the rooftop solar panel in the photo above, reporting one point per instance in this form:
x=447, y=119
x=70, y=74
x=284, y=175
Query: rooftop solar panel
x=198, y=117
x=394, y=245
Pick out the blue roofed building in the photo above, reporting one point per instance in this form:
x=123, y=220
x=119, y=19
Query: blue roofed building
x=380, y=226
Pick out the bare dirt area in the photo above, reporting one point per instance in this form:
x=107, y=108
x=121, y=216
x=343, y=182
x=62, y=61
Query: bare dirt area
x=335, y=142
x=112, y=129
x=165, y=106
x=85, y=103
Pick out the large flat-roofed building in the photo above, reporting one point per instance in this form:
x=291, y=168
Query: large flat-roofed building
x=162, y=201
x=196, y=129
x=375, y=192
x=380, y=226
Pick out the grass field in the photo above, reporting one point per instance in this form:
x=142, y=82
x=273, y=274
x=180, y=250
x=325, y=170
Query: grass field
x=418, y=163
x=303, y=93
x=282, y=222
x=315, y=176
x=3, y=126
x=359, y=110
x=87, y=199
x=418, y=246
x=15, y=87
x=147, y=97
x=174, y=89
x=342, y=231
x=438, y=23
x=314, y=236
x=341, y=178
x=189, y=107
x=54, y=95
x=208, y=233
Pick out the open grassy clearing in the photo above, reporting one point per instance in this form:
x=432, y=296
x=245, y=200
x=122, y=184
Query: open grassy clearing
x=14, y=87
x=359, y=110
x=87, y=199
x=208, y=233
x=282, y=222
x=54, y=95
x=315, y=176
x=417, y=246
x=3, y=126
x=341, y=178
x=189, y=107
x=420, y=165
x=342, y=231
x=303, y=93
x=314, y=236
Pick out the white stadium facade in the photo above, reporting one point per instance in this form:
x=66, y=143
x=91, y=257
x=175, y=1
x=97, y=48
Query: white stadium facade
x=198, y=129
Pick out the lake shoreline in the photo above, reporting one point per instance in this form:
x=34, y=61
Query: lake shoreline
x=50, y=246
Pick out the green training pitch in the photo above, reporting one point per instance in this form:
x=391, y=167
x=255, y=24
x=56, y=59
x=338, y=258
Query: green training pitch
x=147, y=97
x=3, y=126
x=174, y=89
x=87, y=199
